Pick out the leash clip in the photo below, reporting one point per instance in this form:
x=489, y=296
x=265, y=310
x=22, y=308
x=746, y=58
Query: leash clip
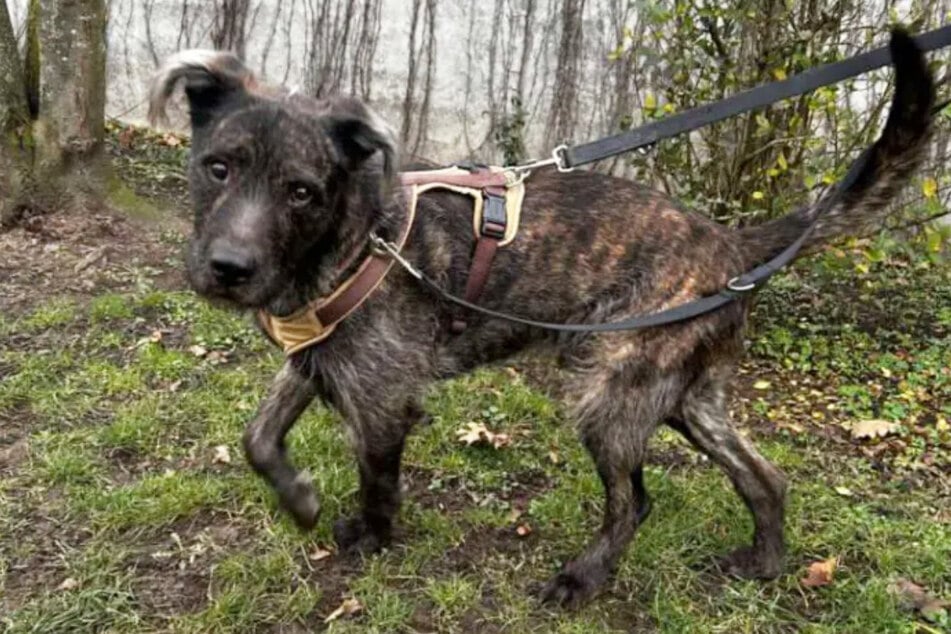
x=560, y=157
x=384, y=248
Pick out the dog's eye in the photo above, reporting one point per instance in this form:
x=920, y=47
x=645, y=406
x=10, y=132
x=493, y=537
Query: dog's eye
x=301, y=195
x=218, y=171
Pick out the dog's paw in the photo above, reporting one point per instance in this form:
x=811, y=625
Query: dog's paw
x=301, y=501
x=575, y=585
x=354, y=537
x=751, y=563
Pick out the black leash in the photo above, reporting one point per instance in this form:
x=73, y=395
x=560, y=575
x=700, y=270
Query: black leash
x=567, y=158
x=736, y=288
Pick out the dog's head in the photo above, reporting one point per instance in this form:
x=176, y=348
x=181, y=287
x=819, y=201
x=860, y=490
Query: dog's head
x=281, y=183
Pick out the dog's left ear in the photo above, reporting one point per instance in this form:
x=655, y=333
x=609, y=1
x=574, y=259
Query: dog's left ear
x=357, y=134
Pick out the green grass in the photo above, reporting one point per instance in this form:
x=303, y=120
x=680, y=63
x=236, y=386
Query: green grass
x=119, y=518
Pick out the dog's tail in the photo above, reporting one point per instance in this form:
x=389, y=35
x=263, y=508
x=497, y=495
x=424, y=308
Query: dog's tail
x=892, y=160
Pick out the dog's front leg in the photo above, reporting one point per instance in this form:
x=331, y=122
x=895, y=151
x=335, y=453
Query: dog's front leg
x=288, y=397
x=378, y=439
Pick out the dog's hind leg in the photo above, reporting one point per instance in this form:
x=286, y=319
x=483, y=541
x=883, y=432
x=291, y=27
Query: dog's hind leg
x=616, y=421
x=705, y=422
x=379, y=447
x=288, y=397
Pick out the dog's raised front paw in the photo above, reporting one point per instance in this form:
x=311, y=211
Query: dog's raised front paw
x=575, y=585
x=354, y=537
x=301, y=501
x=751, y=563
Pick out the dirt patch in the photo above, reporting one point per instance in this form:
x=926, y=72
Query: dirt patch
x=77, y=255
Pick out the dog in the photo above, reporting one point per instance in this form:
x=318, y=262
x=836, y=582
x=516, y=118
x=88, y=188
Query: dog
x=285, y=188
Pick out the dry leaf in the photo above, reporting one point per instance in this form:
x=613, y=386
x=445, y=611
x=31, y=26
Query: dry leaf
x=319, y=554
x=917, y=598
x=523, y=530
x=68, y=584
x=762, y=385
x=873, y=428
x=171, y=140
x=554, y=457
x=820, y=573
x=844, y=491
x=474, y=433
x=347, y=608
x=198, y=351
x=513, y=516
x=222, y=455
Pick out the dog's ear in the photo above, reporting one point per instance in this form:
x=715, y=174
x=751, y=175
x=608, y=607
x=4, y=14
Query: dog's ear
x=211, y=79
x=357, y=134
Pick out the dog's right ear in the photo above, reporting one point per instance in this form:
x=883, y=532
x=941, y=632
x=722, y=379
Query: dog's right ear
x=211, y=79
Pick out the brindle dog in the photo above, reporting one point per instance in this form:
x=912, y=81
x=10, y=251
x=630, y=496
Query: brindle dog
x=285, y=186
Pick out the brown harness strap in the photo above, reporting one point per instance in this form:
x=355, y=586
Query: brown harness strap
x=491, y=233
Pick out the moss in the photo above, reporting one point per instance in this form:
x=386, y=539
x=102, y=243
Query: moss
x=128, y=202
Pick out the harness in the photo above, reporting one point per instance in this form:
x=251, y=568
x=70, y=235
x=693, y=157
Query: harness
x=497, y=195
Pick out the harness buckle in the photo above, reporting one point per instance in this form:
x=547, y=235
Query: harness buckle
x=494, y=218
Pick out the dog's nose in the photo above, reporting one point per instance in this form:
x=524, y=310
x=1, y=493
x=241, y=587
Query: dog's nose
x=231, y=265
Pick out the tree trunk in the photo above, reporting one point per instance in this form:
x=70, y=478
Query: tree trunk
x=14, y=120
x=52, y=109
x=70, y=128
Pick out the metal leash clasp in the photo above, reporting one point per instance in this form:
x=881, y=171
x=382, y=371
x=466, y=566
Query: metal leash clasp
x=560, y=157
x=385, y=248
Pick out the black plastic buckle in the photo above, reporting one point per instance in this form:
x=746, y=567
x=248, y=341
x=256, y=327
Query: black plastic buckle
x=494, y=218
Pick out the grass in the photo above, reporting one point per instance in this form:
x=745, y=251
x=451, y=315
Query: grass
x=130, y=508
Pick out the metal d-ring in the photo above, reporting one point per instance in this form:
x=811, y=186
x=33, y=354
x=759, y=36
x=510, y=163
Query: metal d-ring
x=736, y=287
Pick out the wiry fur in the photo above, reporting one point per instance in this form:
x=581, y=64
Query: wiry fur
x=591, y=248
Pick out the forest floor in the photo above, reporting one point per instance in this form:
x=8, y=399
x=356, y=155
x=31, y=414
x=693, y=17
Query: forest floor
x=126, y=505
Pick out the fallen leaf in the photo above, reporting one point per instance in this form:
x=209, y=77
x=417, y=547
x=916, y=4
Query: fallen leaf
x=156, y=336
x=554, y=457
x=319, y=554
x=198, y=351
x=820, y=573
x=474, y=433
x=171, y=140
x=873, y=428
x=68, y=584
x=762, y=385
x=347, y=608
x=929, y=187
x=844, y=491
x=915, y=597
x=222, y=455
x=513, y=515
x=523, y=530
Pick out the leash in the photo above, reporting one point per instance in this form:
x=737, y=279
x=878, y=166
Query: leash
x=566, y=158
